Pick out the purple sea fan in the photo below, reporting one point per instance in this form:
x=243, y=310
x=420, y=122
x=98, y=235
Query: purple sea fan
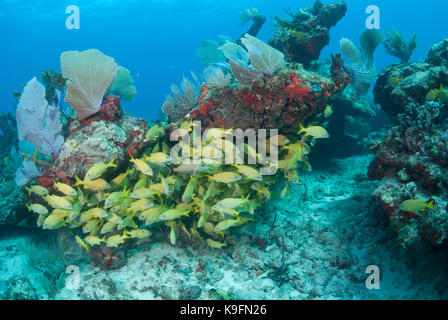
x=38, y=122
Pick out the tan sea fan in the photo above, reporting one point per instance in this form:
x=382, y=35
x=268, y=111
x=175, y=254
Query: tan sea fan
x=90, y=73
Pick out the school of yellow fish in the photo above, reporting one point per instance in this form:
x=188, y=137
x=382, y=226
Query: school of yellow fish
x=202, y=201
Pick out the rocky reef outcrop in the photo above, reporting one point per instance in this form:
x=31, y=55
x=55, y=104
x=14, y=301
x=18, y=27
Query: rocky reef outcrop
x=110, y=134
x=412, y=161
x=303, y=37
x=280, y=102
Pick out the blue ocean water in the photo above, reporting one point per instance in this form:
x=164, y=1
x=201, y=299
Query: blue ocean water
x=157, y=40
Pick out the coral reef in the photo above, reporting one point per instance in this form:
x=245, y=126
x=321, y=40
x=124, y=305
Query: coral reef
x=411, y=162
x=303, y=37
x=163, y=191
x=283, y=101
x=89, y=73
x=110, y=134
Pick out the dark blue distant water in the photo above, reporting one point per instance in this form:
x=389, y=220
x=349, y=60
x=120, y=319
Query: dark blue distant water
x=158, y=39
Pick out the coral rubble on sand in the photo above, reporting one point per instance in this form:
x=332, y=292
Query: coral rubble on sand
x=411, y=162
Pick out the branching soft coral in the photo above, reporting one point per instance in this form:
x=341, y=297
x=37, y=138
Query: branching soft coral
x=397, y=47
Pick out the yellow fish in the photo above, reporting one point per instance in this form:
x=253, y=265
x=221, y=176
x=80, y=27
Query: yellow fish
x=143, y=193
x=97, y=170
x=108, y=227
x=328, y=111
x=94, y=240
x=90, y=226
x=172, y=236
x=230, y=203
x=116, y=240
x=140, y=205
x=249, y=172
x=157, y=157
x=166, y=188
x=114, y=198
x=53, y=221
x=215, y=244
x=189, y=189
x=39, y=190
x=226, y=177
x=99, y=213
x=118, y=180
x=37, y=208
x=226, y=224
x=94, y=185
x=58, y=202
x=191, y=168
x=314, y=131
x=172, y=214
x=65, y=189
x=151, y=215
x=115, y=219
x=415, y=205
x=81, y=243
x=142, y=166
x=139, y=233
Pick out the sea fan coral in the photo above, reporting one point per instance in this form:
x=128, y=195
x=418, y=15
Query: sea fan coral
x=263, y=57
x=37, y=121
x=90, y=74
x=182, y=100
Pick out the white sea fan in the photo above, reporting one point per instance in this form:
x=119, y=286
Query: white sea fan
x=218, y=79
x=263, y=57
x=38, y=122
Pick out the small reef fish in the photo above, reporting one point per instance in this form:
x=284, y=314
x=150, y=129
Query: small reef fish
x=158, y=157
x=94, y=240
x=249, y=172
x=113, y=199
x=38, y=190
x=189, y=189
x=415, y=205
x=143, y=193
x=37, y=208
x=172, y=214
x=140, y=205
x=81, y=243
x=116, y=240
x=97, y=170
x=139, y=233
x=328, y=111
x=119, y=180
x=230, y=203
x=191, y=168
x=93, y=185
x=99, y=213
x=53, y=221
x=172, y=236
x=151, y=215
x=108, y=227
x=142, y=166
x=226, y=224
x=58, y=202
x=90, y=226
x=115, y=219
x=215, y=244
x=226, y=177
x=314, y=131
x=128, y=222
x=65, y=189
